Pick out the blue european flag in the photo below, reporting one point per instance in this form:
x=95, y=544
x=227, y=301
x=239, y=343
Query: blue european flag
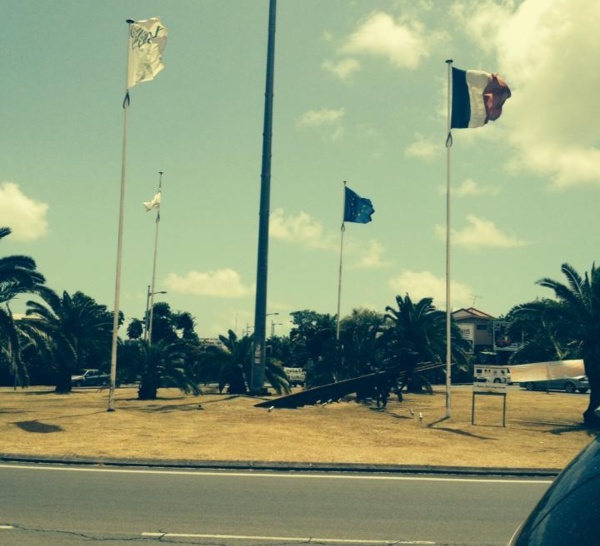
x=356, y=208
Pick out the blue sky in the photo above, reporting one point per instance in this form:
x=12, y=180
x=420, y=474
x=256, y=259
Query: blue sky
x=360, y=95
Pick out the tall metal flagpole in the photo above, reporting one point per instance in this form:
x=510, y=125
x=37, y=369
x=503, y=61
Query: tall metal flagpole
x=154, y=262
x=257, y=378
x=448, y=277
x=343, y=229
x=115, y=335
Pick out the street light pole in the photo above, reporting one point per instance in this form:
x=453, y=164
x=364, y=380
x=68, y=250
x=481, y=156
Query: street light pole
x=270, y=315
x=273, y=324
x=149, y=315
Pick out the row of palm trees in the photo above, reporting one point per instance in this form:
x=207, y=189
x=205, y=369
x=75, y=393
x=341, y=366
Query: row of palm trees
x=67, y=333
x=62, y=334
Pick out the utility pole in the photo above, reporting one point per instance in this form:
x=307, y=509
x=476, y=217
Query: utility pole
x=257, y=379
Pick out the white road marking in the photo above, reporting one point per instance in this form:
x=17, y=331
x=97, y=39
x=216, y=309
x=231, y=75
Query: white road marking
x=5, y=527
x=259, y=473
x=306, y=540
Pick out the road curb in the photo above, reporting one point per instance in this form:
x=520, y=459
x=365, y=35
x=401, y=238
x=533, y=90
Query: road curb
x=285, y=466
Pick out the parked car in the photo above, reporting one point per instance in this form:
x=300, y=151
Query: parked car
x=90, y=378
x=569, y=512
x=578, y=383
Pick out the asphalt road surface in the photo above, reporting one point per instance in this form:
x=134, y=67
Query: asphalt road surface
x=44, y=505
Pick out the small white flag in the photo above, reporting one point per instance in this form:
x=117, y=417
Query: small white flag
x=153, y=204
x=147, y=40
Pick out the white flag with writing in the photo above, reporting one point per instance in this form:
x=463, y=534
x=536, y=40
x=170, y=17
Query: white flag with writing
x=147, y=40
x=153, y=204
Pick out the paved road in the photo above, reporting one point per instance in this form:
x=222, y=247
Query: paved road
x=65, y=505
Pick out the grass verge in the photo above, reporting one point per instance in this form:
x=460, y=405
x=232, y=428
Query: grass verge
x=543, y=431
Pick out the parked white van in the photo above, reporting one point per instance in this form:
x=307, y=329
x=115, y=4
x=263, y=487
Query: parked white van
x=491, y=374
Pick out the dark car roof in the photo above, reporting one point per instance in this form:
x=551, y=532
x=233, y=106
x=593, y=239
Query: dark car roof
x=569, y=512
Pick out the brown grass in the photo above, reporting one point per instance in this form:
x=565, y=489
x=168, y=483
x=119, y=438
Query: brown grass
x=543, y=431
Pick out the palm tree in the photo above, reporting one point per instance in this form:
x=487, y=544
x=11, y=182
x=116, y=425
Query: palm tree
x=314, y=346
x=164, y=364
x=18, y=275
x=235, y=360
x=538, y=324
x=359, y=343
x=577, y=318
x=73, y=331
x=135, y=330
x=417, y=334
x=10, y=347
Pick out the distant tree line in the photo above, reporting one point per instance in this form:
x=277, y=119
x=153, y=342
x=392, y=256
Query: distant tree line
x=62, y=334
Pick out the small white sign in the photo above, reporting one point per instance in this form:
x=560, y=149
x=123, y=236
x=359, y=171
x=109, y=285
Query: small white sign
x=488, y=378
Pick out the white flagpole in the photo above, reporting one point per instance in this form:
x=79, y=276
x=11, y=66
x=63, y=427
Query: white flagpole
x=343, y=229
x=115, y=336
x=448, y=276
x=154, y=263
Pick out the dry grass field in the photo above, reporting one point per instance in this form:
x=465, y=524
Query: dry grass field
x=543, y=431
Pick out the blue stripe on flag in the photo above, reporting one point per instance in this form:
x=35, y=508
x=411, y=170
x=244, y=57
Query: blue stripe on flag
x=461, y=103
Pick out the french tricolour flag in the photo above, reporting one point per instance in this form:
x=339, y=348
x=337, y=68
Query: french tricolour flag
x=477, y=97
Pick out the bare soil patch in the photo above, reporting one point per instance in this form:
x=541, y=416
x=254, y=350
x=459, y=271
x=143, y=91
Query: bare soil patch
x=543, y=431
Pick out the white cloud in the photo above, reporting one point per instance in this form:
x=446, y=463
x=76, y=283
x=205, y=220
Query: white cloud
x=482, y=20
x=301, y=229
x=470, y=187
x=480, y=233
x=326, y=120
x=403, y=43
x=422, y=148
x=342, y=69
x=548, y=54
x=425, y=284
x=24, y=216
x=318, y=118
x=223, y=283
x=369, y=255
